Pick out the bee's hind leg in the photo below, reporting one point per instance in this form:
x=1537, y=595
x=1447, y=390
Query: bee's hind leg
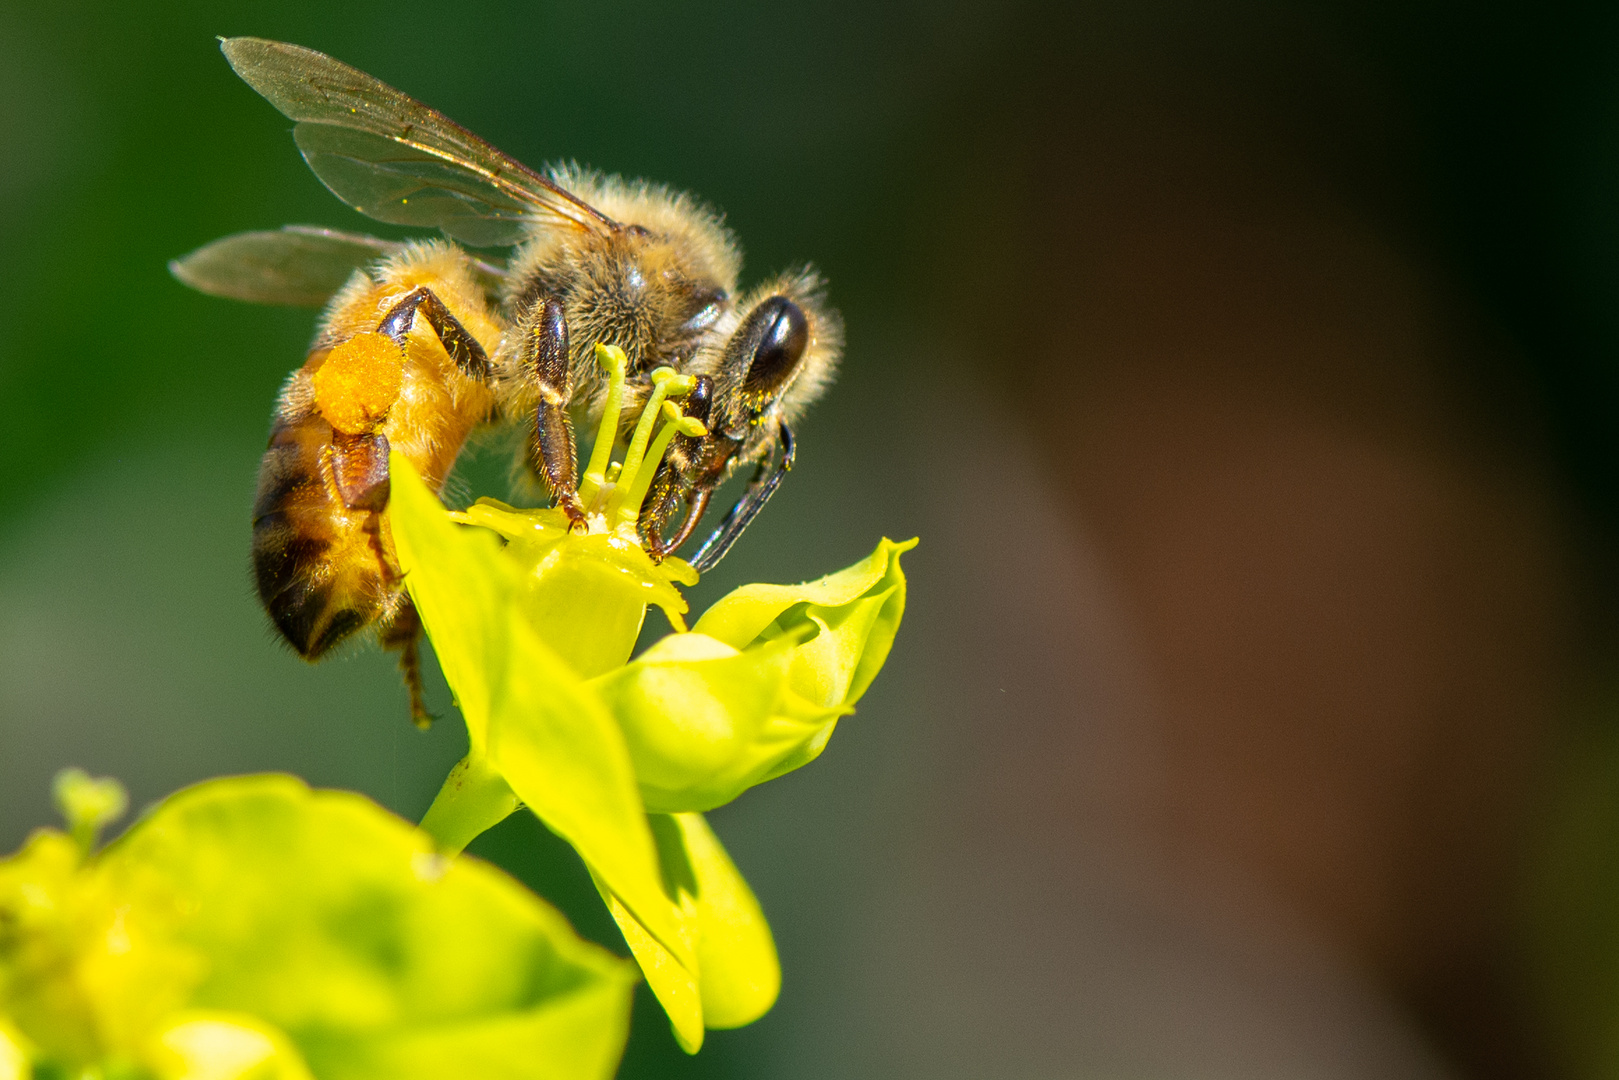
x=546, y=356
x=463, y=348
x=404, y=632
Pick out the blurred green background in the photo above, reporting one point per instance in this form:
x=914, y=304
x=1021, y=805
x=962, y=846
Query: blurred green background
x=907, y=150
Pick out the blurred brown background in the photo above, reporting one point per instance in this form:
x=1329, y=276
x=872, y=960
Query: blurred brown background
x=1249, y=371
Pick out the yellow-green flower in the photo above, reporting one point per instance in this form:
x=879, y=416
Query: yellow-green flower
x=534, y=625
x=253, y=929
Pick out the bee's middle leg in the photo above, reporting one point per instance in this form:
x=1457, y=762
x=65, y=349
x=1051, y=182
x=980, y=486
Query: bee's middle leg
x=545, y=355
x=463, y=348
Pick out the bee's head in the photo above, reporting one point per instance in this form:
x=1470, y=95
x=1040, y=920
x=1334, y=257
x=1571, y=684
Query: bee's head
x=779, y=358
x=772, y=340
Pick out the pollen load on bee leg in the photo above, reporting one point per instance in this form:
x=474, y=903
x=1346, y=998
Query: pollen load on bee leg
x=358, y=382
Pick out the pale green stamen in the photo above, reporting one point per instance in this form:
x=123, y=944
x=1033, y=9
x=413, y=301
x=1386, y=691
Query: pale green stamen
x=88, y=804
x=665, y=383
x=611, y=358
x=635, y=494
x=612, y=491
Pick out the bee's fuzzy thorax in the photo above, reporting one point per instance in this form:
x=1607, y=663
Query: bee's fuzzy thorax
x=691, y=223
x=637, y=287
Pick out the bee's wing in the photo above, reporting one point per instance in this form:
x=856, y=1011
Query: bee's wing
x=299, y=265
x=394, y=159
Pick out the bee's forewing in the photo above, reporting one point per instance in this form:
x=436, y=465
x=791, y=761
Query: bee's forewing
x=393, y=158
x=404, y=186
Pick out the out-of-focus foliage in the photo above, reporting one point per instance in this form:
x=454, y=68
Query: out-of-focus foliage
x=1573, y=931
x=251, y=927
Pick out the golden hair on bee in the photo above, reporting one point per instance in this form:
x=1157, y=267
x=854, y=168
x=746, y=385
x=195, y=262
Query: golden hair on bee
x=678, y=216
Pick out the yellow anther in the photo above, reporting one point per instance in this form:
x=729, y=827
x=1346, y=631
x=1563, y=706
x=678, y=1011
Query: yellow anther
x=684, y=425
x=611, y=358
x=632, y=477
x=635, y=489
x=672, y=383
x=665, y=381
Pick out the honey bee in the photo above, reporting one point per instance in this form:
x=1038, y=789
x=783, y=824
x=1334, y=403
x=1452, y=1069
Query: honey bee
x=422, y=343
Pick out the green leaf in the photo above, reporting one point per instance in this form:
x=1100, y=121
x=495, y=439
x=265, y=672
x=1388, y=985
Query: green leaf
x=458, y=581
x=741, y=973
x=335, y=922
x=673, y=980
x=748, y=612
x=846, y=621
x=251, y=927
x=564, y=756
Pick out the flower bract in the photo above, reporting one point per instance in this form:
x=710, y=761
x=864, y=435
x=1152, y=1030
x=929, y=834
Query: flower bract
x=534, y=623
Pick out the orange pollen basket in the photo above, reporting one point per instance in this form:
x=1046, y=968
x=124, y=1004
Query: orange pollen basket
x=358, y=382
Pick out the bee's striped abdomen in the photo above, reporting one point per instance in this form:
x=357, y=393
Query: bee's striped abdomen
x=323, y=569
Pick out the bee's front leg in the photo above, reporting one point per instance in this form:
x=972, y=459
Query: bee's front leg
x=691, y=468
x=696, y=504
x=763, y=485
x=545, y=356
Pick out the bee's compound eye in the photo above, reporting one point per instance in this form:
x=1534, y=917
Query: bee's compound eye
x=783, y=335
